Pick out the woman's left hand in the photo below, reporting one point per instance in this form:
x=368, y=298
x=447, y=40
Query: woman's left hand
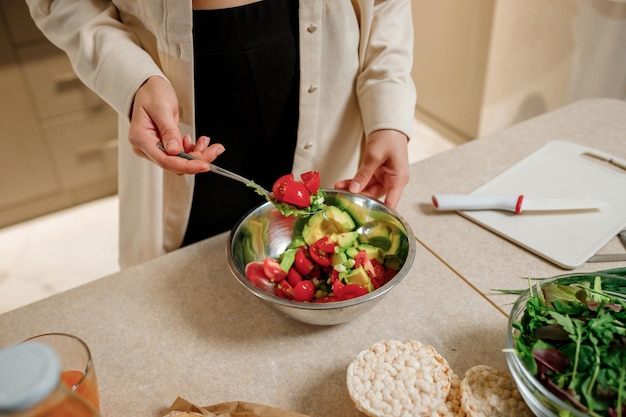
x=384, y=170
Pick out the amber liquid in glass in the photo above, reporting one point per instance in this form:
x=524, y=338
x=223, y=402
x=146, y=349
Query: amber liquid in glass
x=88, y=388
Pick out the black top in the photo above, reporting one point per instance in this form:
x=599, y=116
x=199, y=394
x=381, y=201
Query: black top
x=246, y=89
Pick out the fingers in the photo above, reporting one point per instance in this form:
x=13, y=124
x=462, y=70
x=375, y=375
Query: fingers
x=393, y=196
x=384, y=170
x=202, y=153
x=362, y=177
x=155, y=120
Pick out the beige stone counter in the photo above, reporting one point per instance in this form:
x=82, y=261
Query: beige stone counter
x=482, y=258
x=182, y=326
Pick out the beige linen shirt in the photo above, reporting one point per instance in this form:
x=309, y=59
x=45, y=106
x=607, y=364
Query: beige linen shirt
x=356, y=58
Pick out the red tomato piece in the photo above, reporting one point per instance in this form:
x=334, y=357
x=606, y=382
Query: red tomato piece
x=279, y=186
x=326, y=244
x=255, y=274
x=296, y=194
x=361, y=259
x=389, y=274
x=273, y=271
x=304, y=291
x=302, y=263
x=293, y=277
x=286, y=288
x=316, y=272
x=281, y=294
x=378, y=271
x=326, y=299
x=311, y=180
x=319, y=256
x=338, y=287
x=352, y=291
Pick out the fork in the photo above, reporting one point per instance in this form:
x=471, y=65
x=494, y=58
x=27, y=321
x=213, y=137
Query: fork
x=224, y=172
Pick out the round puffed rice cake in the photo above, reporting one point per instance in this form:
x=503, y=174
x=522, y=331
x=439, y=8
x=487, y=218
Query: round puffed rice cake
x=452, y=405
x=489, y=392
x=399, y=379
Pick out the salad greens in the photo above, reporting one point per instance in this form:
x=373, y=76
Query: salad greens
x=572, y=337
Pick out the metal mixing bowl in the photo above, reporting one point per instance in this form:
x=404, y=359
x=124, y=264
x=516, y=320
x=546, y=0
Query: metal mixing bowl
x=272, y=233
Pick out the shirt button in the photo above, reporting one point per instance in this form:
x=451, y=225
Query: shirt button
x=312, y=88
x=308, y=145
x=312, y=28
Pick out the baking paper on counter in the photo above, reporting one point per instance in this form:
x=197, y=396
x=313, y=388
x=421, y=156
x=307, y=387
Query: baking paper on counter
x=230, y=409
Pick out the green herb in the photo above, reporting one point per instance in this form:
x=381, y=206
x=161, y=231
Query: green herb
x=572, y=337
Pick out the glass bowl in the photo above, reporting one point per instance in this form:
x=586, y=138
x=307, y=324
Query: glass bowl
x=265, y=232
x=539, y=399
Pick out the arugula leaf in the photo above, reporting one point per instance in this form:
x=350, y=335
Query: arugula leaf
x=572, y=337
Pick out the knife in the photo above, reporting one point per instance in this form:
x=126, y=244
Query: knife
x=515, y=203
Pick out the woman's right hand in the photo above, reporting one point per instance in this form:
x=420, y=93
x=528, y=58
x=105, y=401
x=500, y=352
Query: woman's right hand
x=154, y=119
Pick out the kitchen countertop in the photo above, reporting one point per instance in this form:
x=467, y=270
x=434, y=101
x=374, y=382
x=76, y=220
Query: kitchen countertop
x=483, y=259
x=180, y=325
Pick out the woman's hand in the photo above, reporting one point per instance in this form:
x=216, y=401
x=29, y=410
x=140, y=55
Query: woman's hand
x=154, y=119
x=385, y=168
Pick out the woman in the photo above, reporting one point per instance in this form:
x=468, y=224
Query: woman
x=351, y=85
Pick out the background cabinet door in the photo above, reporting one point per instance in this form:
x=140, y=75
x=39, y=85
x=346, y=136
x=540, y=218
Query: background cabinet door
x=26, y=167
x=58, y=138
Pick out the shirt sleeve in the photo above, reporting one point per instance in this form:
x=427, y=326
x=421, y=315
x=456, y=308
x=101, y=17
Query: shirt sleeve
x=385, y=88
x=105, y=55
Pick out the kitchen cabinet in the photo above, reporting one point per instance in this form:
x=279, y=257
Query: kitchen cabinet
x=59, y=140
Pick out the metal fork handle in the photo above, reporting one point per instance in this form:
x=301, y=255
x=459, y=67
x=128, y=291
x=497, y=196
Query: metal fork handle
x=218, y=170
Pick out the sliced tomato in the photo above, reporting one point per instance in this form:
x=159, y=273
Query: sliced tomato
x=378, y=273
x=338, y=287
x=325, y=244
x=312, y=181
x=280, y=294
x=389, y=274
x=316, y=272
x=279, y=186
x=273, y=271
x=255, y=274
x=293, y=277
x=320, y=257
x=296, y=194
x=361, y=259
x=302, y=263
x=304, y=291
x=286, y=288
x=351, y=291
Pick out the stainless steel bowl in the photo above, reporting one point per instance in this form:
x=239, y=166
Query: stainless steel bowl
x=273, y=233
x=540, y=400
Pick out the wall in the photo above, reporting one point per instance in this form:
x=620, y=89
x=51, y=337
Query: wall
x=450, y=60
x=481, y=68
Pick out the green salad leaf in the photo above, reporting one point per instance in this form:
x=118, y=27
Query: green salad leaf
x=572, y=338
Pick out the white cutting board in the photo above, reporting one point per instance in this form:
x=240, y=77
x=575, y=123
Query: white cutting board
x=560, y=169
